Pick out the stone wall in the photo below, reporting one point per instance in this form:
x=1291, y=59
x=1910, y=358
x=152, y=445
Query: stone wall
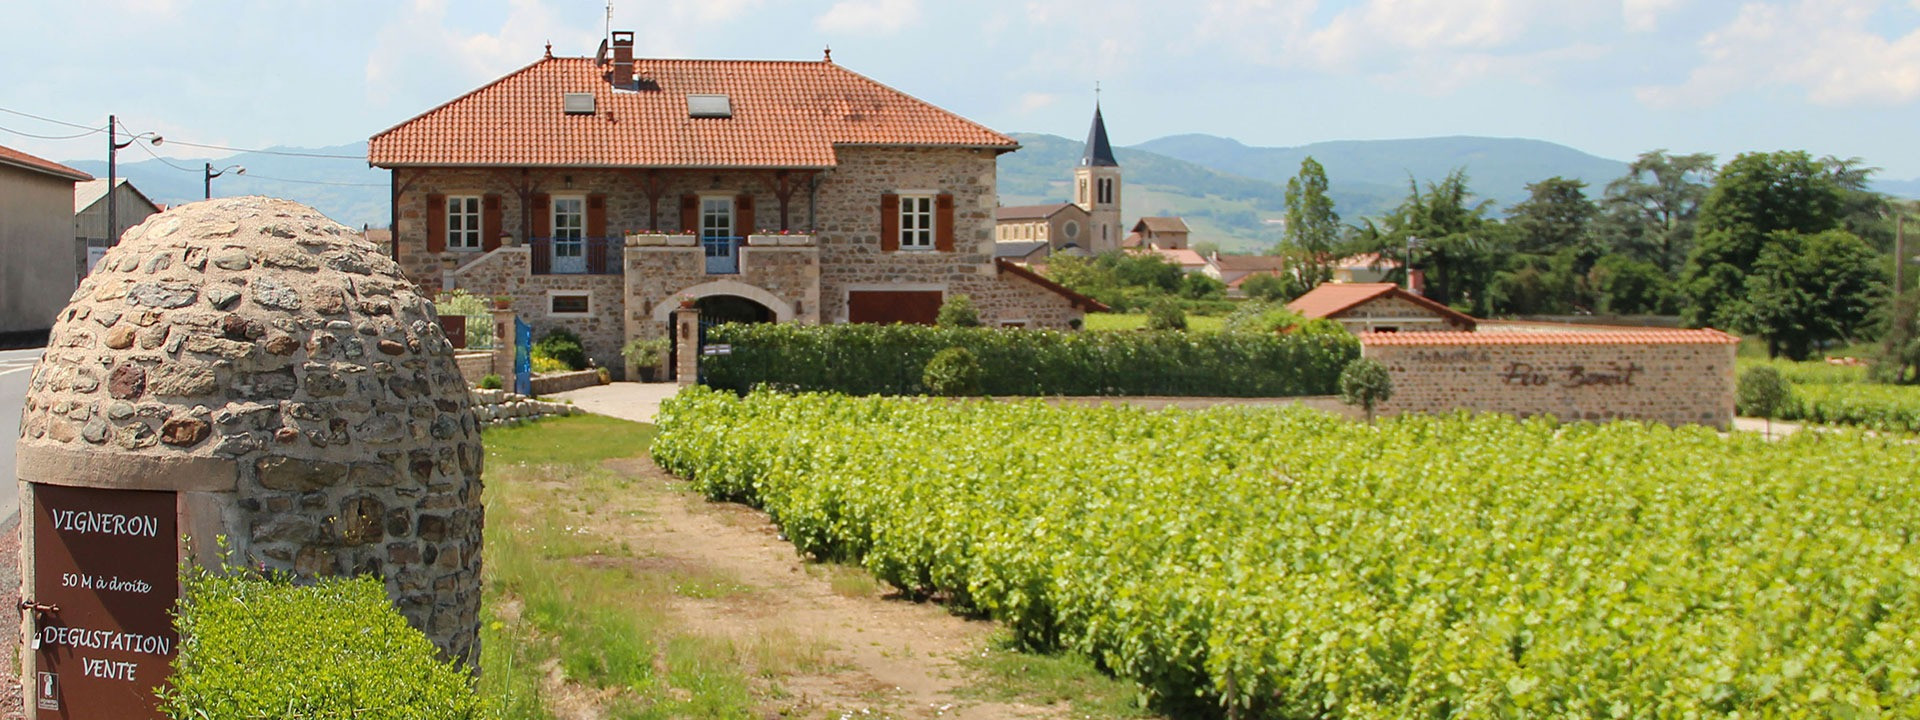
x=499, y=407
x=562, y=382
x=281, y=374
x=1672, y=377
x=475, y=365
x=508, y=271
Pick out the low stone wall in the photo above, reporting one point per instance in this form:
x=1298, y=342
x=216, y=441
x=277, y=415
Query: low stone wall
x=474, y=365
x=562, y=382
x=499, y=407
x=1676, y=377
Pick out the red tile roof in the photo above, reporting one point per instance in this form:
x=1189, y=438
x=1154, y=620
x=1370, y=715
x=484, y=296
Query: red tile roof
x=785, y=114
x=10, y=156
x=1184, y=257
x=1330, y=299
x=1646, y=337
x=1161, y=224
x=1249, y=263
x=1079, y=301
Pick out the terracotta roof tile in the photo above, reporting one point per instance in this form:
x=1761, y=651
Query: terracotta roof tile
x=10, y=156
x=1330, y=299
x=1647, y=337
x=785, y=114
x=1249, y=263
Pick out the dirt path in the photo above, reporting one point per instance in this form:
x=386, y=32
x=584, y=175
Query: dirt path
x=881, y=657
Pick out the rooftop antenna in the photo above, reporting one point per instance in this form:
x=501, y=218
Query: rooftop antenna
x=828, y=54
x=607, y=34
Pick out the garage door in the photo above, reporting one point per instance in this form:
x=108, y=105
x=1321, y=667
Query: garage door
x=919, y=307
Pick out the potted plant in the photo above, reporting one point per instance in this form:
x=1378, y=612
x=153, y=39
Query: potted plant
x=502, y=302
x=646, y=354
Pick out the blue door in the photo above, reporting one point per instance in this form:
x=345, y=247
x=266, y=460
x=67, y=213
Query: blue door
x=522, y=357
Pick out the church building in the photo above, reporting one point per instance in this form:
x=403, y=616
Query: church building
x=1089, y=225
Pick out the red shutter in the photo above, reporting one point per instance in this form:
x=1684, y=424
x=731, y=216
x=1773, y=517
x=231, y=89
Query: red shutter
x=542, y=215
x=743, y=215
x=490, y=222
x=889, y=222
x=596, y=233
x=943, y=222
x=690, y=213
x=436, y=223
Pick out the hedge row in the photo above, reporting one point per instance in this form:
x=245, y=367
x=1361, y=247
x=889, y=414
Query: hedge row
x=863, y=359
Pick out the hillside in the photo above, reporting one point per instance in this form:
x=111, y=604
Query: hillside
x=344, y=189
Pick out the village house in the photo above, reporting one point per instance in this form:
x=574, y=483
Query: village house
x=1159, y=233
x=90, y=215
x=1379, y=308
x=39, y=261
x=600, y=194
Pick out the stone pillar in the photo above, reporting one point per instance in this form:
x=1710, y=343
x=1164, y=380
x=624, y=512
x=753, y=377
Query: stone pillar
x=503, y=345
x=686, y=359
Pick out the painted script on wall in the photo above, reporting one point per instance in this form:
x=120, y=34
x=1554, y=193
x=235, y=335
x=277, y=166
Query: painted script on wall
x=1572, y=376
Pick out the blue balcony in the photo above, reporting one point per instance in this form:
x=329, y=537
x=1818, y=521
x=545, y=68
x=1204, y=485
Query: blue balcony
x=723, y=255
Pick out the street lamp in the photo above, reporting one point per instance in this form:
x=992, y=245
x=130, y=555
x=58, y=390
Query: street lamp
x=211, y=173
x=114, y=146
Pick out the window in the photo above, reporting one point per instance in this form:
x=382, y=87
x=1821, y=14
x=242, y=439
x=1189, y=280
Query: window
x=716, y=217
x=569, y=226
x=916, y=222
x=463, y=222
x=569, y=303
x=1071, y=229
x=1083, y=191
x=1106, y=191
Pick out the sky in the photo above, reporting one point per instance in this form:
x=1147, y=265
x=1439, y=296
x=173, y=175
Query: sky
x=1610, y=77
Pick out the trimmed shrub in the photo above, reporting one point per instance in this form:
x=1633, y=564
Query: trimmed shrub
x=561, y=345
x=952, y=372
x=260, y=647
x=543, y=365
x=958, y=311
x=1166, y=315
x=1365, y=383
x=1762, y=392
x=492, y=382
x=865, y=359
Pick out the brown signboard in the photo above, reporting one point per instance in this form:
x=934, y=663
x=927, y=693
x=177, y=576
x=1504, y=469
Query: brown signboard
x=105, y=577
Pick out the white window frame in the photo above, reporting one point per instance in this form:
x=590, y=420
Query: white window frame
x=552, y=294
x=708, y=206
x=570, y=240
x=464, y=223
x=917, y=223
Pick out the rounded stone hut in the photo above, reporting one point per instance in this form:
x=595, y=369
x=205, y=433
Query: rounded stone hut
x=280, y=376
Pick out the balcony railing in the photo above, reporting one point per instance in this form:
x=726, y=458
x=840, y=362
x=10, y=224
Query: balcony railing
x=577, y=256
x=723, y=255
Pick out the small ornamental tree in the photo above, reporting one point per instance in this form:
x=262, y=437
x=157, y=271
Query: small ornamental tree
x=953, y=372
x=1166, y=315
x=1763, y=392
x=1365, y=383
x=958, y=311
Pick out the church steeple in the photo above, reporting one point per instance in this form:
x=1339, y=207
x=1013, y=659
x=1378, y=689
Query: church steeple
x=1099, y=151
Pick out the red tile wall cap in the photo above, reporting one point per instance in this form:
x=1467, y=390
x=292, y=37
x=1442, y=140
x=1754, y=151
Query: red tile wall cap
x=1706, y=336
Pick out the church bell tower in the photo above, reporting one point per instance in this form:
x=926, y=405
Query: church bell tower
x=1096, y=188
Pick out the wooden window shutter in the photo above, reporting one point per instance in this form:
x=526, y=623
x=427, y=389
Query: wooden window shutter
x=436, y=223
x=889, y=222
x=597, y=233
x=490, y=222
x=743, y=215
x=542, y=215
x=690, y=213
x=943, y=222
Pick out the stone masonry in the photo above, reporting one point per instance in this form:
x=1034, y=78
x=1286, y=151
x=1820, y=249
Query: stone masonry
x=1676, y=377
x=285, y=377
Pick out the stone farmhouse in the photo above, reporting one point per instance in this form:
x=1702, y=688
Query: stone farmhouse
x=600, y=194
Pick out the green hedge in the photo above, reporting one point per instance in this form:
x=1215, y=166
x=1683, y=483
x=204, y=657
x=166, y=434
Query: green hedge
x=864, y=359
x=255, y=647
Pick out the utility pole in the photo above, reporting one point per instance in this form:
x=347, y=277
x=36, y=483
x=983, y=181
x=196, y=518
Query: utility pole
x=113, y=152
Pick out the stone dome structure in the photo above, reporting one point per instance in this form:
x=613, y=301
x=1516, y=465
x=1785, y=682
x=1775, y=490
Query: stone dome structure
x=281, y=375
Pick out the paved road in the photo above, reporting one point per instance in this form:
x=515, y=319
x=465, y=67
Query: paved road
x=15, y=367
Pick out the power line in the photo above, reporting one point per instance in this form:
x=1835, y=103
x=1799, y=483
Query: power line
x=95, y=131
x=269, y=152
x=51, y=120
x=313, y=182
x=168, y=163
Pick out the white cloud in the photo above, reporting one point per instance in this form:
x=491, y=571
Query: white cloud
x=1644, y=15
x=1828, y=48
x=868, y=16
x=420, y=53
x=1034, y=101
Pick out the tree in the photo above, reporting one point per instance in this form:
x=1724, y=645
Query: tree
x=1457, y=246
x=1365, y=383
x=1626, y=286
x=1313, y=228
x=1649, y=213
x=1899, y=360
x=1271, y=288
x=1762, y=392
x=957, y=311
x=1758, y=196
x=1555, y=215
x=1807, y=290
x=1195, y=286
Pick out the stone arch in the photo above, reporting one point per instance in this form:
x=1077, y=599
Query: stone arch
x=782, y=310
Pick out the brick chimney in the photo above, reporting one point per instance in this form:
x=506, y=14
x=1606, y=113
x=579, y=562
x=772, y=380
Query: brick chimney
x=622, y=75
